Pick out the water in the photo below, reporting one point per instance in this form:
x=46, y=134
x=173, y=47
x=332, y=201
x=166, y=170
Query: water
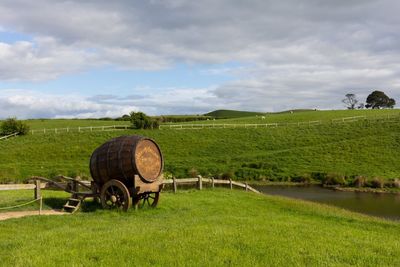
x=375, y=204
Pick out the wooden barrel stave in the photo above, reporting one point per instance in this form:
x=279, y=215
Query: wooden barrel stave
x=123, y=157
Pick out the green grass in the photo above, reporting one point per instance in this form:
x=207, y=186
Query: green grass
x=39, y=124
x=251, y=153
x=305, y=116
x=367, y=148
x=51, y=200
x=207, y=228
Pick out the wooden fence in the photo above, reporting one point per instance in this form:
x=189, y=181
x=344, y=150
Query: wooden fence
x=81, y=129
x=8, y=136
x=389, y=118
x=197, y=182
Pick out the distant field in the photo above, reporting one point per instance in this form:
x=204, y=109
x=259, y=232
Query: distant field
x=305, y=116
x=63, y=123
x=228, y=114
x=203, y=228
x=369, y=148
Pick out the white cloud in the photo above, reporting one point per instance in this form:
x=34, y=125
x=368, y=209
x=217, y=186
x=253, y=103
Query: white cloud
x=29, y=104
x=295, y=53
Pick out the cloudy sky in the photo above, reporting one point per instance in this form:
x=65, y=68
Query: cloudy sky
x=107, y=58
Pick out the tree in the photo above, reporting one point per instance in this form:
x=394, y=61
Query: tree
x=142, y=121
x=12, y=125
x=391, y=103
x=378, y=99
x=350, y=101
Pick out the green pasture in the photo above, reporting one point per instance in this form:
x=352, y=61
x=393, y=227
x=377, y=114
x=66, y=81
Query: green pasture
x=368, y=148
x=203, y=228
x=325, y=116
x=39, y=124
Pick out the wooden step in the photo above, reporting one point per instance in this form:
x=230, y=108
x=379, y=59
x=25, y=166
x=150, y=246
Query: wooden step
x=72, y=205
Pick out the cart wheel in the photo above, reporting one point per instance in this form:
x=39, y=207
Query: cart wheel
x=115, y=195
x=146, y=199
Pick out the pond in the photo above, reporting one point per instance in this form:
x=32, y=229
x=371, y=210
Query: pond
x=375, y=204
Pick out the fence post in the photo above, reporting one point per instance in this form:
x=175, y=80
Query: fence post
x=40, y=205
x=79, y=129
x=212, y=182
x=55, y=130
x=230, y=183
x=37, y=193
x=174, y=184
x=247, y=187
x=200, y=183
x=67, y=129
x=44, y=131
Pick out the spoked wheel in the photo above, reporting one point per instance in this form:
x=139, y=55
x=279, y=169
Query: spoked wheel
x=115, y=195
x=146, y=200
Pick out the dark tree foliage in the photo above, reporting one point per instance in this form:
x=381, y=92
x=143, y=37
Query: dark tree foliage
x=142, y=121
x=378, y=99
x=12, y=125
x=350, y=101
x=124, y=118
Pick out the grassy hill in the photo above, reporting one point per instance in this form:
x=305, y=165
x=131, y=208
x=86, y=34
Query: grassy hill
x=368, y=148
x=204, y=228
x=228, y=114
x=307, y=115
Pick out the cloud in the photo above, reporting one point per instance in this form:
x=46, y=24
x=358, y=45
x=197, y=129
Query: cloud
x=29, y=104
x=294, y=53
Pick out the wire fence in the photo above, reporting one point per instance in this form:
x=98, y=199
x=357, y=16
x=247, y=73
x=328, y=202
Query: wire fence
x=387, y=118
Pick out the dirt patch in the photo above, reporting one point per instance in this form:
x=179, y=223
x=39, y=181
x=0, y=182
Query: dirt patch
x=19, y=214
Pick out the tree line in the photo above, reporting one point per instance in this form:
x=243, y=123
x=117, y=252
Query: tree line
x=375, y=100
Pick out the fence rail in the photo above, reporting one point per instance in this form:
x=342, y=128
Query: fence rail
x=8, y=136
x=199, y=182
x=389, y=118
x=81, y=129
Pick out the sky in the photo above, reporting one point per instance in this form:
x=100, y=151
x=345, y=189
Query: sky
x=101, y=58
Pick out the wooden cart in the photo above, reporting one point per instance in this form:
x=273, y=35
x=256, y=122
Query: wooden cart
x=127, y=170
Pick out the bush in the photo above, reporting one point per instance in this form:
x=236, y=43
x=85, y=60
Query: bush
x=305, y=178
x=12, y=125
x=227, y=175
x=193, y=173
x=359, y=181
x=376, y=183
x=334, y=179
x=142, y=121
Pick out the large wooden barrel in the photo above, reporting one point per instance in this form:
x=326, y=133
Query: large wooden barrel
x=123, y=157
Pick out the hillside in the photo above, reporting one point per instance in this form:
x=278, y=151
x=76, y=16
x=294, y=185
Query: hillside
x=228, y=114
x=369, y=148
x=204, y=228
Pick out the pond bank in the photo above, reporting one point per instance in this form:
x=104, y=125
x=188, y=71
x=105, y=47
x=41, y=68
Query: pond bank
x=371, y=203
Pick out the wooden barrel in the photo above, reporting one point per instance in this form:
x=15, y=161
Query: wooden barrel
x=123, y=157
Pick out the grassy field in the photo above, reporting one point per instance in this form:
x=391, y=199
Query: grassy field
x=204, y=228
x=306, y=116
x=64, y=123
x=367, y=148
